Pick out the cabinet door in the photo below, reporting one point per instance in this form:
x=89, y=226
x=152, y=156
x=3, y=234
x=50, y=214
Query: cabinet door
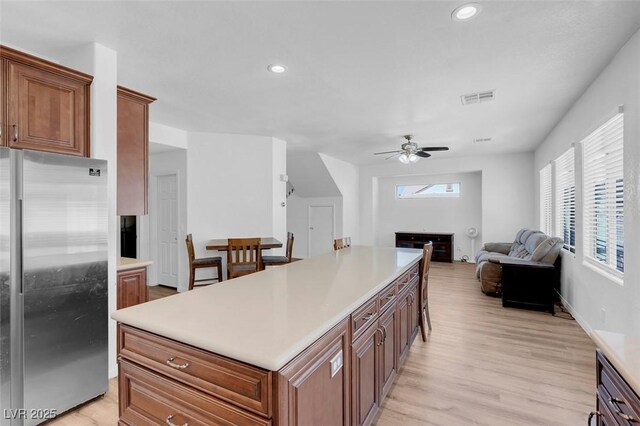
x=414, y=313
x=403, y=326
x=132, y=288
x=46, y=111
x=365, y=376
x=133, y=152
x=315, y=385
x=388, y=353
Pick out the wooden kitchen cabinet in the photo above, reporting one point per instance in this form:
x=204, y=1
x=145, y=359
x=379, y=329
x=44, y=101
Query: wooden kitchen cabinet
x=133, y=152
x=323, y=369
x=45, y=106
x=388, y=353
x=408, y=319
x=131, y=287
x=365, y=366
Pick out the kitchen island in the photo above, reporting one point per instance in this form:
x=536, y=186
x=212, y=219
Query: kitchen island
x=314, y=342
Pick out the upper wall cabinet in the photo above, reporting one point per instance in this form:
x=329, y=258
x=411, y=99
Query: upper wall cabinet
x=45, y=107
x=133, y=152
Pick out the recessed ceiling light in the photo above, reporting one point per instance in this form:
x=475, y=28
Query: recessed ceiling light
x=278, y=69
x=466, y=12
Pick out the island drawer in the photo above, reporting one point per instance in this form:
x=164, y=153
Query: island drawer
x=147, y=398
x=361, y=318
x=413, y=272
x=232, y=381
x=617, y=395
x=387, y=297
x=402, y=282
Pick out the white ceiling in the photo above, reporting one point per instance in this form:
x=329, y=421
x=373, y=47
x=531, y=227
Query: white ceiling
x=360, y=74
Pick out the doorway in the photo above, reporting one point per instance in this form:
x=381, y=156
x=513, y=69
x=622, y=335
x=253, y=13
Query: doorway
x=167, y=228
x=321, y=229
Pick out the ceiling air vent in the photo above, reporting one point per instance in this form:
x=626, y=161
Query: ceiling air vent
x=480, y=140
x=474, y=98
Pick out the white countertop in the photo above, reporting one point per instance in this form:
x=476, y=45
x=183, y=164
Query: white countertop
x=623, y=351
x=125, y=263
x=267, y=318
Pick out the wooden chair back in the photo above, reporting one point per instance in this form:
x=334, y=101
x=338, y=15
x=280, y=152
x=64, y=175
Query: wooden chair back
x=341, y=243
x=190, y=250
x=427, y=252
x=425, y=318
x=243, y=256
x=290, y=239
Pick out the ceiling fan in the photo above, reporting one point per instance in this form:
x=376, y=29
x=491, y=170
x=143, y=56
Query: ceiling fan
x=410, y=153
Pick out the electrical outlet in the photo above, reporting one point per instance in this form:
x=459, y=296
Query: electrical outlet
x=336, y=363
x=603, y=316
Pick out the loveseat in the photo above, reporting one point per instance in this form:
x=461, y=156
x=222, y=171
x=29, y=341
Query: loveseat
x=529, y=245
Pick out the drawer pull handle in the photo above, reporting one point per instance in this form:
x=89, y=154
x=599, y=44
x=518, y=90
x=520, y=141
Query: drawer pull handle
x=15, y=133
x=614, y=404
x=170, y=363
x=171, y=423
x=591, y=414
x=391, y=296
x=384, y=334
x=368, y=317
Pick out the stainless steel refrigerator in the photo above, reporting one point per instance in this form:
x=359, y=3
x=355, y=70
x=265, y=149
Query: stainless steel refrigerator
x=53, y=284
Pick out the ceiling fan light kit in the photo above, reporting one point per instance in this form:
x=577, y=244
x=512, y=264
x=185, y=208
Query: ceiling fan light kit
x=410, y=153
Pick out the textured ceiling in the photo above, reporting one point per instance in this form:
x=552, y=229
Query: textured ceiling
x=360, y=74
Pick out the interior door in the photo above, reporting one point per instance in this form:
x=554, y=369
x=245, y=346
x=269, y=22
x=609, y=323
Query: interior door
x=320, y=230
x=168, y=230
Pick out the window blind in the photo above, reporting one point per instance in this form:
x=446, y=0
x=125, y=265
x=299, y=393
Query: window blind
x=565, y=200
x=545, y=200
x=603, y=181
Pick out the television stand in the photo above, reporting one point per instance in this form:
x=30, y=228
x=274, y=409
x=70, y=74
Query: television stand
x=442, y=243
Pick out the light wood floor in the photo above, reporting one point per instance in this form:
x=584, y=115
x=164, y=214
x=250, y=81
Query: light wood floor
x=482, y=365
x=488, y=365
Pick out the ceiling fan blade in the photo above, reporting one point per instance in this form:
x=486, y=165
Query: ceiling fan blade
x=386, y=152
x=423, y=154
x=434, y=148
x=391, y=156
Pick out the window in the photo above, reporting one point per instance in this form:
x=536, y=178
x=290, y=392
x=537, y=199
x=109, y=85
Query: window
x=566, y=200
x=438, y=190
x=604, y=196
x=545, y=199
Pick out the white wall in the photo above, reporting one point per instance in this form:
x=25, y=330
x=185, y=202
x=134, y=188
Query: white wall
x=298, y=219
x=102, y=63
x=507, y=185
x=346, y=177
x=431, y=214
x=587, y=292
x=231, y=181
x=168, y=136
x=161, y=164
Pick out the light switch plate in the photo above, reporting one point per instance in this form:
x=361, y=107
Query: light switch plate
x=336, y=363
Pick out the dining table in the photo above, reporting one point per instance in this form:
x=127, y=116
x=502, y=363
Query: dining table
x=222, y=244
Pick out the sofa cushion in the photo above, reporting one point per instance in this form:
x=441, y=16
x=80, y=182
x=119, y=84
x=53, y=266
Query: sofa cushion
x=547, y=251
x=534, y=240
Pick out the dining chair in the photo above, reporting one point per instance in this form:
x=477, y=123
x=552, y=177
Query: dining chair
x=243, y=257
x=341, y=243
x=204, y=262
x=425, y=319
x=280, y=260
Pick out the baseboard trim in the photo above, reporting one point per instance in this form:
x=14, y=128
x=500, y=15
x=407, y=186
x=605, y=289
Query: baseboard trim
x=581, y=321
